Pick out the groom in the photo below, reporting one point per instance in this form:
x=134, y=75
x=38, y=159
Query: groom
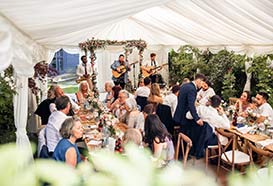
x=186, y=102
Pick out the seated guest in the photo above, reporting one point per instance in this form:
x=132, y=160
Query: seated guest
x=158, y=138
x=241, y=106
x=264, y=110
x=83, y=92
x=148, y=109
x=140, y=82
x=58, y=93
x=55, y=121
x=171, y=99
x=43, y=108
x=67, y=150
x=243, y=103
x=143, y=92
x=115, y=91
x=155, y=96
x=133, y=116
x=120, y=108
x=109, y=93
x=132, y=136
x=205, y=93
x=214, y=115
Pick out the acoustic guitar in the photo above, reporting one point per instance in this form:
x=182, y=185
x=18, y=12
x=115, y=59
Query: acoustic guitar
x=122, y=69
x=84, y=78
x=151, y=70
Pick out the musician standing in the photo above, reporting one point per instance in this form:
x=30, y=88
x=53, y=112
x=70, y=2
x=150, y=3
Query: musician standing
x=121, y=67
x=84, y=72
x=149, y=66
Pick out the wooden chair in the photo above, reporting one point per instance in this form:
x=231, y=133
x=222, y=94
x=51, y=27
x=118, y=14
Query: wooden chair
x=264, y=153
x=180, y=141
x=230, y=157
x=232, y=100
x=209, y=153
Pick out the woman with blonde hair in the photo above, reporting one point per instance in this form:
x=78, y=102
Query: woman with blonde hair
x=83, y=92
x=155, y=96
x=67, y=150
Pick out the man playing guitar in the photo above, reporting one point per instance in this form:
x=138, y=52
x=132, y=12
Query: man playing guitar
x=120, y=70
x=151, y=71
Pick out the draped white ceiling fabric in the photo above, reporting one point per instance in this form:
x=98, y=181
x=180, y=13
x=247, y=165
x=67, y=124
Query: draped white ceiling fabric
x=206, y=23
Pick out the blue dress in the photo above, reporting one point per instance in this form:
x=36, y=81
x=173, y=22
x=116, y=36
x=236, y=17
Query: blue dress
x=61, y=148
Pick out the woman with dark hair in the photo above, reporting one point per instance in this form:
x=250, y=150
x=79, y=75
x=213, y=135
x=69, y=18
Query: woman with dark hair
x=241, y=106
x=205, y=93
x=67, y=150
x=158, y=138
x=243, y=102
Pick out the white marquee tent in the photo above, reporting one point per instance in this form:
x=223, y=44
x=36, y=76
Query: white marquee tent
x=32, y=30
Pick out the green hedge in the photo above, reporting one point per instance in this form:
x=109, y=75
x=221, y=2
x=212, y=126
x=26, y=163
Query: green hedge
x=225, y=69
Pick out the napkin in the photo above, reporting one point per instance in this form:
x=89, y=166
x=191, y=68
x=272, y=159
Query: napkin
x=264, y=143
x=245, y=129
x=94, y=142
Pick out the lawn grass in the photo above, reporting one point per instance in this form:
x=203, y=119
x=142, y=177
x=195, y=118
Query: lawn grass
x=70, y=90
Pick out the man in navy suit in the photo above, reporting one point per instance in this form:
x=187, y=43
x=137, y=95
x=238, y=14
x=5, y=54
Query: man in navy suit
x=186, y=102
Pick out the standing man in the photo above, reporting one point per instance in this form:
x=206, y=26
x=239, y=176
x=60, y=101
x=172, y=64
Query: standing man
x=84, y=72
x=120, y=70
x=186, y=102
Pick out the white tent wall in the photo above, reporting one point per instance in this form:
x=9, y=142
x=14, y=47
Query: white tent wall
x=22, y=52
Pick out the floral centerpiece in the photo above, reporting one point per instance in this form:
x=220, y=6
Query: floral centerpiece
x=107, y=121
x=112, y=134
x=95, y=107
x=260, y=123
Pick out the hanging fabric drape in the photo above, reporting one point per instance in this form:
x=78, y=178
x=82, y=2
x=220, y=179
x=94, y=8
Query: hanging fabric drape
x=20, y=113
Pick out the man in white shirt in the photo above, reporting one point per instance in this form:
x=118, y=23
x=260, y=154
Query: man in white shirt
x=205, y=93
x=84, y=72
x=55, y=122
x=215, y=116
x=171, y=99
x=58, y=93
x=264, y=110
x=144, y=91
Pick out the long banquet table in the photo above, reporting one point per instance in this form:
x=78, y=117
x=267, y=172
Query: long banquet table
x=252, y=137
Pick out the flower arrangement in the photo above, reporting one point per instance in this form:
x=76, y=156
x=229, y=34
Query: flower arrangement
x=95, y=44
x=94, y=105
x=108, y=120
